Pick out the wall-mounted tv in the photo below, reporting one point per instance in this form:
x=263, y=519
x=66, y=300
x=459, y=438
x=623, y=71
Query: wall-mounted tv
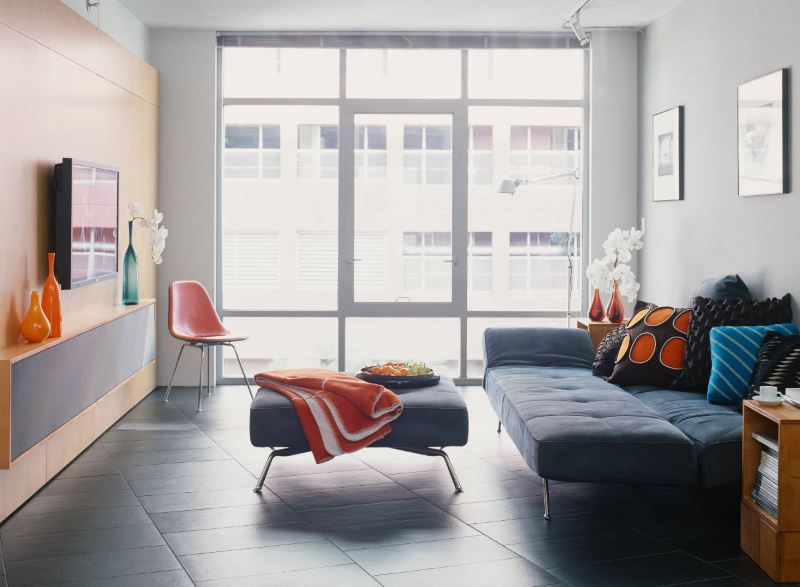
x=85, y=213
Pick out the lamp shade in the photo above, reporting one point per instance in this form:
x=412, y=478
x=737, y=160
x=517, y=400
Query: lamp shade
x=507, y=186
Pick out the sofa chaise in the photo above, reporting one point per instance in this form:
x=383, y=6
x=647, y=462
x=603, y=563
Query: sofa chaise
x=570, y=425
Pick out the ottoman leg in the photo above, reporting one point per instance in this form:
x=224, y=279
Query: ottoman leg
x=499, y=426
x=281, y=452
x=450, y=469
x=546, y=499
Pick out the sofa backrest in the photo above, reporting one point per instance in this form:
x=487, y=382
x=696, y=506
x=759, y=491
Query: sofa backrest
x=541, y=347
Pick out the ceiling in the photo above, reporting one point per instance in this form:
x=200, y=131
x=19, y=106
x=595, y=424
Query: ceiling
x=395, y=15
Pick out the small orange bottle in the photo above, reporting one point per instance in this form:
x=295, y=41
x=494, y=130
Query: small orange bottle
x=51, y=298
x=35, y=327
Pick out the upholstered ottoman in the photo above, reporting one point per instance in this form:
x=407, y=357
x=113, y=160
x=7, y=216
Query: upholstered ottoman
x=433, y=418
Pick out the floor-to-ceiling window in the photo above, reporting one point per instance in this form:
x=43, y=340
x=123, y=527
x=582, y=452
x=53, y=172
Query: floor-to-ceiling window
x=359, y=219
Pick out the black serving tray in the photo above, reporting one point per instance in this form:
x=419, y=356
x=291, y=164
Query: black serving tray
x=400, y=381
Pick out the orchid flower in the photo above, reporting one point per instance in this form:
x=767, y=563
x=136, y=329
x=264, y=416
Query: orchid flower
x=158, y=234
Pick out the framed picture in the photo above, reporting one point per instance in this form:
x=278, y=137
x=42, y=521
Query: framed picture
x=763, y=114
x=668, y=155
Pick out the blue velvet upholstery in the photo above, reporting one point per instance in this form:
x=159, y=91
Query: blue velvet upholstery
x=432, y=416
x=542, y=347
x=715, y=430
x=572, y=426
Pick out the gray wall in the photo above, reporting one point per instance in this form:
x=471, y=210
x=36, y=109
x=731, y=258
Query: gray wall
x=186, y=60
x=695, y=56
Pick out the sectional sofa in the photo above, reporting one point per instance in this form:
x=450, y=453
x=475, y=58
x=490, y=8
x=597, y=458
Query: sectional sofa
x=572, y=426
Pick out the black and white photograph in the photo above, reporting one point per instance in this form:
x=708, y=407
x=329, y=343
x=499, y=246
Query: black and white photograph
x=667, y=168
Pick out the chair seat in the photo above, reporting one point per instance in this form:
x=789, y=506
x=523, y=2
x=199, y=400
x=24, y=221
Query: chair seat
x=212, y=338
x=432, y=416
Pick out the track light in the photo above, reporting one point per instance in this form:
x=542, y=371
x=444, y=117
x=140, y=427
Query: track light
x=574, y=22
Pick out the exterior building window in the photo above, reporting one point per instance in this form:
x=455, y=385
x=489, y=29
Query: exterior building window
x=427, y=155
x=317, y=151
x=370, y=153
x=480, y=261
x=370, y=270
x=425, y=256
x=317, y=259
x=250, y=260
x=544, y=150
x=538, y=261
x=481, y=158
x=252, y=151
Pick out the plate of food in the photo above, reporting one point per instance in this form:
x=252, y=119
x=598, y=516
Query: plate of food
x=396, y=375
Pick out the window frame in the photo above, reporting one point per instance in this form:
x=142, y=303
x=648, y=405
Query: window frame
x=460, y=165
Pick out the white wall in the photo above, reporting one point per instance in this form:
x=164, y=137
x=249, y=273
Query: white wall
x=117, y=22
x=186, y=61
x=696, y=56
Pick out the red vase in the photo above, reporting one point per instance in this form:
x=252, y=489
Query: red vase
x=51, y=301
x=615, y=311
x=596, y=311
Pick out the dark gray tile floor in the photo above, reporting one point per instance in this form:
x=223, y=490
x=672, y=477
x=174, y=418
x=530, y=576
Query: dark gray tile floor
x=164, y=498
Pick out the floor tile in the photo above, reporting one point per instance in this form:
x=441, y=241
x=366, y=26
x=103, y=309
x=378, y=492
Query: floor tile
x=589, y=548
x=530, y=529
x=224, y=517
x=440, y=477
x=73, y=521
x=272, y=559
x=508, y=509
x=514, y=571
x=88, y=469
x=322, y=481
x=198, y=500
x=392, y=532
x=157, y=457
x=660, y=569
x=445, y=495
x=136, y=472
x=239, y=537
x=745, y=568
x=232, y=480
x=427, y=555
x=45, y=504
x=77, y=485
x=154, y=444
x=160, y=579
x=58, y=544
x=370, y=513
x=91, y=566
x=362, y=494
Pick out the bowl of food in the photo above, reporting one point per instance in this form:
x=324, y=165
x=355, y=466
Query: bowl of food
x=400, y=375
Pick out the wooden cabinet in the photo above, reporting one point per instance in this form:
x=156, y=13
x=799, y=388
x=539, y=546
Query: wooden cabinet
x=772, y=542
x=596, y=330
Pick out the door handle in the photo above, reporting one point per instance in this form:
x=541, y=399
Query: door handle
x=453, y=261
x=351, y=260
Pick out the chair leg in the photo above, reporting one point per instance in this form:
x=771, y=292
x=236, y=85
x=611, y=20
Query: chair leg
x=174, y=370
x=241, y=368
x=282, y=452
x=546, y=499
x=208, y=371
x=499, y=426
x=200, y=384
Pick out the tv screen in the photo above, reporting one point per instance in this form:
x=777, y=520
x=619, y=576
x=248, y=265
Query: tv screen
x=86, y=212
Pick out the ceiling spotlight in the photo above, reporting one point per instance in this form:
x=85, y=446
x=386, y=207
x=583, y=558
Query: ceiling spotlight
x=574, y=22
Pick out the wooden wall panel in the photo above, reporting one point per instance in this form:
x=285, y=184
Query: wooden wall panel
x=69, y=90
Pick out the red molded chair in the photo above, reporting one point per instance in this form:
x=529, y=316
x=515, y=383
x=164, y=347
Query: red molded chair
x=193, y=320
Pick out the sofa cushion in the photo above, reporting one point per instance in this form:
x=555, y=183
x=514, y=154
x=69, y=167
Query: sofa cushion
x=723, y=288
x=572, y=426
x=543, y=347
x=606, y=353
x=715, y=430
x=432, y=416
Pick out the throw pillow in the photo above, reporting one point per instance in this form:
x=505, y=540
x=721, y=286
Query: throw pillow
x=734, y=355
x=653, y=348
x=606, y=353
x=778, y=362
x=723, y=288
x=706, y=314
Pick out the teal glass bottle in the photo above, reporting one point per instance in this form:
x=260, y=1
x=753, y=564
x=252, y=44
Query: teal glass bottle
x=130, y=272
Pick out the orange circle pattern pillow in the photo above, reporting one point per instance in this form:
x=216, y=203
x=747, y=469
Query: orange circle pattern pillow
x=653, y=349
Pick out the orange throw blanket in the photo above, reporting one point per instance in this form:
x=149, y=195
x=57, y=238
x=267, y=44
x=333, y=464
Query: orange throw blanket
x=339, y=413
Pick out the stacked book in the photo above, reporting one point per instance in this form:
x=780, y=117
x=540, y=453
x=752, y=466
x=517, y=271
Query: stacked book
x=765, y=486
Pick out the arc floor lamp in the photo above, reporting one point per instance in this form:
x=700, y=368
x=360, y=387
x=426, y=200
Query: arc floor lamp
x=510, y=186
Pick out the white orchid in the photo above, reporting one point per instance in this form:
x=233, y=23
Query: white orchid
x=158, y=234
x=614, y=267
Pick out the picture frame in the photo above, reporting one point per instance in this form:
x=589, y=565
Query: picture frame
x=668, y=155
x=763, y=135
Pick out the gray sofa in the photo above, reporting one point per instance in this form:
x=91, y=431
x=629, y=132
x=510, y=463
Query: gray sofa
x=570, y=425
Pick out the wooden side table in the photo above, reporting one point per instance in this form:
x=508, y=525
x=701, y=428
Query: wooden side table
x=596, y=330
x=772, y=542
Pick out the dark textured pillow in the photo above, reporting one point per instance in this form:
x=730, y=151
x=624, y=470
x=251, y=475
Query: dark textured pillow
x=652, y=350
x=708, y=313
x=606, y=353
x=778, y=362
x=723, y=288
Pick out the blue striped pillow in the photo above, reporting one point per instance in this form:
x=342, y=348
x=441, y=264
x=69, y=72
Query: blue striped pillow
x=734, y=354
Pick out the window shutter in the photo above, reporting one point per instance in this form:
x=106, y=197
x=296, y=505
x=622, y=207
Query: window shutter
x=371, y=269
x=317, y=259
x=250, y=259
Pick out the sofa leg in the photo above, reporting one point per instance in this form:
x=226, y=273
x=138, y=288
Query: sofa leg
x=283, y=452
x=546, y=499
x=499, y=426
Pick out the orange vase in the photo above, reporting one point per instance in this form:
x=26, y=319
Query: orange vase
x=35, y=327
x=51, y=300
x=596, y=311
x=615, y=310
